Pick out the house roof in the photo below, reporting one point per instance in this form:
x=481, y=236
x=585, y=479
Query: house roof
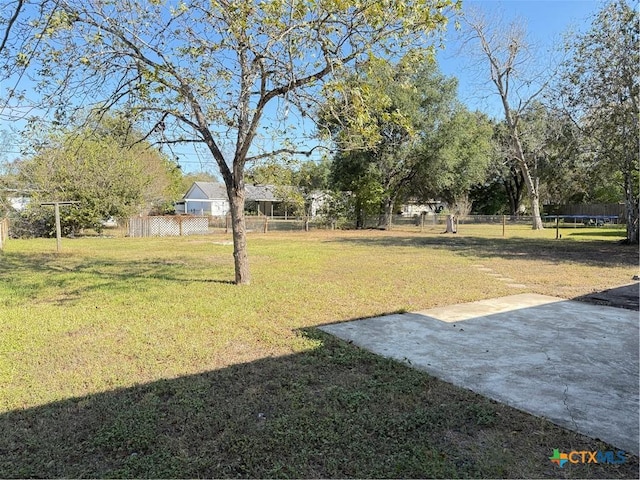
x=212, y=190
x=261, y=193
x=217, y=191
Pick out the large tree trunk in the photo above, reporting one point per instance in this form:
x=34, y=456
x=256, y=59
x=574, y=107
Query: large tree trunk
x=452, y=224
x=387, y=218
x=532, y=187
x=535, y=211
x=534, y=197
x=514, y=204
x=240, y=256
x=514, y=185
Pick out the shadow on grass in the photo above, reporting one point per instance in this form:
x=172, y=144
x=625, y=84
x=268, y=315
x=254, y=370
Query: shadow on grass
x=626, y=296
x=334, y=411
x=28, y=273
x=596, y=252
x=569, y=232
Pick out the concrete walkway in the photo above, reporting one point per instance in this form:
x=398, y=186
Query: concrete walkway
x=573, y=363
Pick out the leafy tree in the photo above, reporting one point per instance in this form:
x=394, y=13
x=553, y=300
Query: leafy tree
x=550, y=140
x=353, y=173
x=210, y=71
x=96, y=167
x=600, y=88
x=378, y=143
x=314, y=175
x=313, y=180
x=272, y=172
x=489, y=198
x=549, y=143
x=504, y=182
x=453, y=158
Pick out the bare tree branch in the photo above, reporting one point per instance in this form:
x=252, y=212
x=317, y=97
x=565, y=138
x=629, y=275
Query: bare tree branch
x=10, y=24
x=289, y=151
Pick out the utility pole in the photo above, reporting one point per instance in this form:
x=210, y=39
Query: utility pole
x=56, y=207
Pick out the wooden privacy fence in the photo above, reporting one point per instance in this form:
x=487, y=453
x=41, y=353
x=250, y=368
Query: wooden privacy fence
x=167, y=226
x=4, y=232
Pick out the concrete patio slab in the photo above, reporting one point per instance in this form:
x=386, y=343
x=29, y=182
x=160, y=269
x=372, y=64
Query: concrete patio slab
x=573, y=363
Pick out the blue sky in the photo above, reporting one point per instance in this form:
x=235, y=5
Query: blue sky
x=546, y=21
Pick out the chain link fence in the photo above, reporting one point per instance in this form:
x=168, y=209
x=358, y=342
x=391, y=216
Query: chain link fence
x=200, y=225
x=419, y=222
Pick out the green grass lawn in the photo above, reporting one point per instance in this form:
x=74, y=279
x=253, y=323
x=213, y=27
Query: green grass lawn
x=127, y=357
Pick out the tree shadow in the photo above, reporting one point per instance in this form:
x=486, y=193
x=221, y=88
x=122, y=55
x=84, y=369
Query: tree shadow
x=568, y=232
x=332, y=412
x=596, y=252
x=625, y=296
x=27, y=273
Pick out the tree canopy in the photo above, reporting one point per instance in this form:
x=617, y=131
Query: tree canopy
x=413, y=138
x=96, y=166
x=600, y=90
x=454, y=158
x=377, y=118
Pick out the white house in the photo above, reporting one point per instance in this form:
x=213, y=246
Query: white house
x=204, y=198
x=412, y=208
x=209, y=198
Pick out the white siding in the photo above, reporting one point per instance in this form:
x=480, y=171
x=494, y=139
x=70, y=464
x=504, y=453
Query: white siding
x=219, y=208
